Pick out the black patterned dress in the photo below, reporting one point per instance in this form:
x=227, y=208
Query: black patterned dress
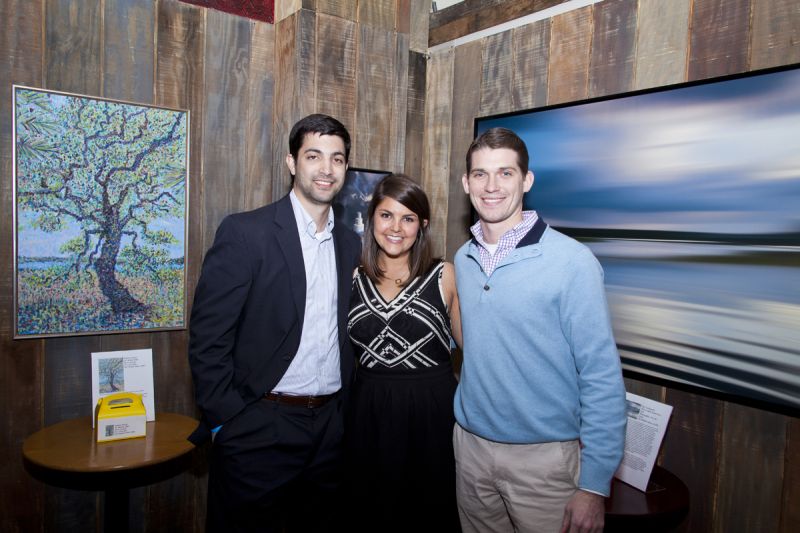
x=400, y=418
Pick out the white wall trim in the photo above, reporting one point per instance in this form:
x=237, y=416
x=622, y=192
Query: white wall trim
x=522, y=21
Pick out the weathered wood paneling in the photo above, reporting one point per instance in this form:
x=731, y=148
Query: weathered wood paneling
x=790, y=511
x=21, y=362
x=468, y=17
x=642, y=388
x=345, y=9
x=72, y=55
x=719, y=38
x=613, y=46
x=179, y=84
x=128, y=50
x=662, y=42
x=378, y=14
x=436, y=165
x=751, y=467
x=415, y=114
x=419, y=24
x=336, y=94
x=398, y=111
x=376, y=63
x=531, y=49
x=570, y=37
x=775, y=33
x=258, y=140
x=466, y=102
x=228, y=49
x=690, y=451
x=497, y=74
x=285, y=89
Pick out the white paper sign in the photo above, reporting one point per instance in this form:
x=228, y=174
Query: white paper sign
x=647, y=423
x=124, y=370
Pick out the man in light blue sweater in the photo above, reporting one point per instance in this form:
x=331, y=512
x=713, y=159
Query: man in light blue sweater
x=540, y=406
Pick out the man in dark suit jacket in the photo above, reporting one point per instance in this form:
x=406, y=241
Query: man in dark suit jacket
x=269, y=351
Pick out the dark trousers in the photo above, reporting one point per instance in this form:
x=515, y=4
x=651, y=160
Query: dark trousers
x=277, y=468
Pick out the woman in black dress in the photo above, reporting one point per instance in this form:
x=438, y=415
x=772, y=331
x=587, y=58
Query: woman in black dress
x=403, y=315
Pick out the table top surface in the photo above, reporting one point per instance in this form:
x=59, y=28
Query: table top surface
x=71, y=446
x=666, y=494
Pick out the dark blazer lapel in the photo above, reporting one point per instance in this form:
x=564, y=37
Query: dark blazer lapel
x=289, y=241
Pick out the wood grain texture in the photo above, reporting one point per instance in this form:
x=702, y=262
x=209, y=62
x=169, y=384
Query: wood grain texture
x=419, y=25
x=295, y=88
x=67, y=394
x=648, y=390
x=719, y=38
x=180, y=84
x=258, y=137
x=72, y=51
x=415, y=114
x=775, y=36
x=336, y=92
x=471, y=16
x=751, y=467
x=570, y=38
x=613, y=47
x=662, y=43
x=378, y=14
x=286, y=8
x=496, y=74
x=790, y=511
x=376, y=63
x=285, y=88
x=398, y=113
x=691, y=452
x=345, y=9
x=128, y=50
x=466, y=102
x=531, y=53
x=436, y=165
x=402, y=16
x=228, y=49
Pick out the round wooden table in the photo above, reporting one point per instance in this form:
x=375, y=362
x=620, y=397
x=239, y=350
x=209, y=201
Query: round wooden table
x=661, y=508
x=68, y=455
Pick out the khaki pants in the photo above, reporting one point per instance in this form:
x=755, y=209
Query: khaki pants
x=513, y=487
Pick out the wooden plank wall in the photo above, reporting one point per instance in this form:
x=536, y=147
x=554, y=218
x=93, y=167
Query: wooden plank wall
x=245, y=83
x=740, y=463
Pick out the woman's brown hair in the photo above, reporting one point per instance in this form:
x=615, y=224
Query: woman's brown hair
x=403, y=189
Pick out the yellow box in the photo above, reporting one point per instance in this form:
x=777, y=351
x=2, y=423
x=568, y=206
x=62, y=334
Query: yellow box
x=120, y=416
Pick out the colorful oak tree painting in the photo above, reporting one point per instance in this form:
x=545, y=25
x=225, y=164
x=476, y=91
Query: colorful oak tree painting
x=100, y=215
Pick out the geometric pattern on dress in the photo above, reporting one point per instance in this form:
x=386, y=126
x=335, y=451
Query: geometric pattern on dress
x=390, y=348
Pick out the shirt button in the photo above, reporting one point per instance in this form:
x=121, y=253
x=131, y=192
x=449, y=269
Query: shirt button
x=486, y=287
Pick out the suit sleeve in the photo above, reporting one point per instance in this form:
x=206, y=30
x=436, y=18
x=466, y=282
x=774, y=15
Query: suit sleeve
x=221, y=294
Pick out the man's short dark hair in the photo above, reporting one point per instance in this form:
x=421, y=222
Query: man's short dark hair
x=318, y=123
x=495, y=138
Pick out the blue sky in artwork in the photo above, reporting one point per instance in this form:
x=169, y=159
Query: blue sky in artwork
x=718, y=157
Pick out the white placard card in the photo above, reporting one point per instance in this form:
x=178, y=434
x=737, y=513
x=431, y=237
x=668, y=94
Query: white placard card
x=647, y=423
x=124, y=370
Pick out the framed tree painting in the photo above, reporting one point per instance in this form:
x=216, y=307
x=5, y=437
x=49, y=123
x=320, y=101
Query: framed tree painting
x=100, y=189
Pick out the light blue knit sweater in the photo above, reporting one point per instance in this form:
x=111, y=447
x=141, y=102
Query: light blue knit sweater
x=540, y=362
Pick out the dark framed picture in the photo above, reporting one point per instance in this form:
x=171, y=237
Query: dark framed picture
x=350, y=205
x=689, y=196
x=100, y=215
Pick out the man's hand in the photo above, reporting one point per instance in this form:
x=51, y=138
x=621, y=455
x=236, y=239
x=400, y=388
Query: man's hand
x=584, y=513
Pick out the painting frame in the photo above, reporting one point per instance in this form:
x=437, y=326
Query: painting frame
x=100, y=216
x=685, y=194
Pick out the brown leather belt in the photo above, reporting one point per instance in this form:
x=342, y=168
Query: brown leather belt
x=312, y=402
